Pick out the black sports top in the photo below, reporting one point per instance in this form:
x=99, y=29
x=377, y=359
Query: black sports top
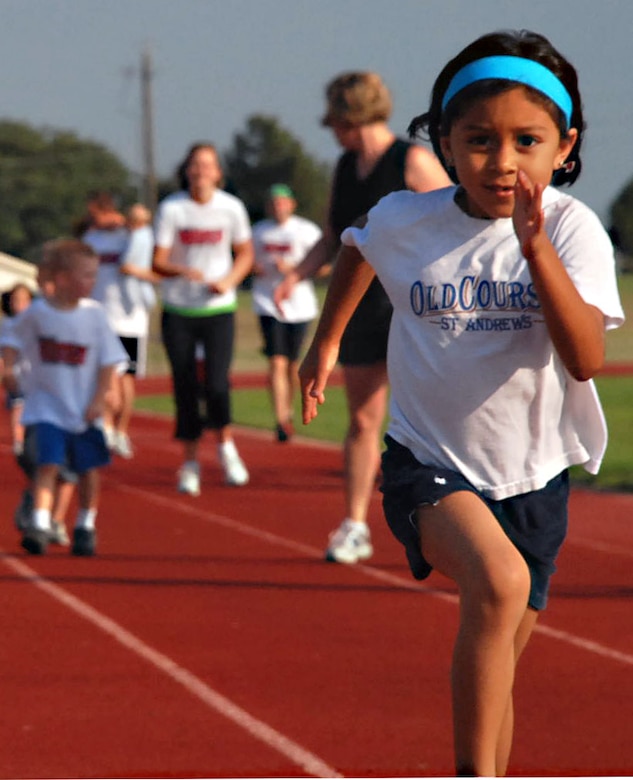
x=351, y=198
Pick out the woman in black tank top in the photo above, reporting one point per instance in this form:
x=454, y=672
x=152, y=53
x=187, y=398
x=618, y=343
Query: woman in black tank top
x=373, y=164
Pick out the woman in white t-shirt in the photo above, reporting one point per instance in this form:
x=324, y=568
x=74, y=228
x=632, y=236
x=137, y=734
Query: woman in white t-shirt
x=502, y=290
x=203, y=251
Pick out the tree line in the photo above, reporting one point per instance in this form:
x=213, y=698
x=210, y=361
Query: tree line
x=46, y=176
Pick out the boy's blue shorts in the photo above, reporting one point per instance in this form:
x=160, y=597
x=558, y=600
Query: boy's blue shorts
x=535, y=522
x=27, y=459
x=80, y=452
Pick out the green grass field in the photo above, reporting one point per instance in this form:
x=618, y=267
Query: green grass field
x=252, y=407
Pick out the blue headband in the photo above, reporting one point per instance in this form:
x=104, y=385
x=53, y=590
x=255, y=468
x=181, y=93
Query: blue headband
x=527, y=72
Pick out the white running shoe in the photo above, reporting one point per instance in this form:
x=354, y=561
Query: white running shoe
x=235, y=472
x=58, y=534
x=189, y=479
x=350, y=543
x=109, y=434
x=121, y=445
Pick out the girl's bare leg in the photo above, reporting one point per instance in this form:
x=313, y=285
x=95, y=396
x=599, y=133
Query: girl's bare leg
x=507, y=727
x=280, y=388
x=462, y=539
x=127, y=393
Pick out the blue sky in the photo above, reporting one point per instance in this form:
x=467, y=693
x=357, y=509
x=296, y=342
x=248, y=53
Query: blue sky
x=74, y=64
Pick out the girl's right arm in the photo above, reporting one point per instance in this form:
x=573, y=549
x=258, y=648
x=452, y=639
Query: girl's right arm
x=351, y=277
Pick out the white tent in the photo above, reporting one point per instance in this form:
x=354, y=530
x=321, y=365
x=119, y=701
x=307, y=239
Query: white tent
x=13, y=270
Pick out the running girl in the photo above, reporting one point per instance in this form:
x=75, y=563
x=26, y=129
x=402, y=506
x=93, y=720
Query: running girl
x=502, y=289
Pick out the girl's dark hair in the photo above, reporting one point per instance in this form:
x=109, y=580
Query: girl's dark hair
x=181, y=171
x=529, y=45
x=7, y=295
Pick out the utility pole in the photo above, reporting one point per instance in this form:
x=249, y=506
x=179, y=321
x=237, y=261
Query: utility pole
x=150, y=196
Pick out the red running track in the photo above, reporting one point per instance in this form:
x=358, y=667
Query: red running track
x=209, y=639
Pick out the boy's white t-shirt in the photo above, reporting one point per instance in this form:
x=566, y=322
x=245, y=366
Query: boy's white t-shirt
x=476, y=384
x=290, y=242
x=66, y=349
x=200, y=236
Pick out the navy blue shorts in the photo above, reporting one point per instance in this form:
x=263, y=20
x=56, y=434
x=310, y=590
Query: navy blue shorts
x=80, y=452
x=282, y=338
x=535, y=522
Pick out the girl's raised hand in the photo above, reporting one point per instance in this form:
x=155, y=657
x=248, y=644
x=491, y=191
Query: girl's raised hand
x=528, y=212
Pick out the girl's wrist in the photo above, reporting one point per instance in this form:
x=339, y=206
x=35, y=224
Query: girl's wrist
x=535, y=247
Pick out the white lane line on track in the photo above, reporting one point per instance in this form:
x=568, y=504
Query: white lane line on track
x=261, y=731
x=378, y=574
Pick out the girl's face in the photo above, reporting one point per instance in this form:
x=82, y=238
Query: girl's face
x=494, y=140
x=20, y=300
x=203, y=171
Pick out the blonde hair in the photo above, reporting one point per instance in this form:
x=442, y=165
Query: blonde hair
x=357, y=98
x=62, y=254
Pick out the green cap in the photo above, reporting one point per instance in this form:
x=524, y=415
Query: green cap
x=280, y=191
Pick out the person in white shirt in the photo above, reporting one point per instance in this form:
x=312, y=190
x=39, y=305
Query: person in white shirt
x=105, y=230
x=136, y=282
x=281, y=242
x=203, y=251
x=72, y=352
x=502, y=290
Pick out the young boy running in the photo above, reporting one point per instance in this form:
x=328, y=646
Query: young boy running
x=73, y=353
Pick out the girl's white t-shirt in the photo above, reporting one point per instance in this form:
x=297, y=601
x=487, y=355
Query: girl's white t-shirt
x=290, y=242
x=200, y=236
x=110, y=287
x=476, y=384
x=65, y=348
x=138, y=254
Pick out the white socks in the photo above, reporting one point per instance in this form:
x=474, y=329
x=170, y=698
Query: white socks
x=86, y=519
x=42, y=519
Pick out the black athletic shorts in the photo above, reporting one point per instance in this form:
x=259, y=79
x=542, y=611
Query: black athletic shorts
x=282, y=338
x=131, y=344
x=535, y=522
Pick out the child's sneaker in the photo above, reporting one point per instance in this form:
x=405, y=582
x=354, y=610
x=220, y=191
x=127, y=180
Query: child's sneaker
x=350, y=543
x=189, y=479
x=58, y=534
x=24, y=511
x=284, y=432
x=84, y=541
x=35, y=541
x=109, y=434
x=235, y=472
x=122, y=446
